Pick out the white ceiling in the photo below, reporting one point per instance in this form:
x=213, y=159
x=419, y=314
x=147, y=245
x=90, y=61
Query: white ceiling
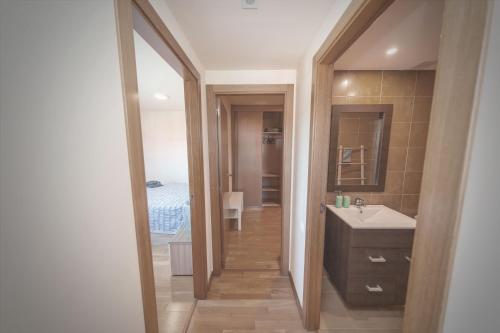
x=413, y=26
x=154, y=75
x=275, y=36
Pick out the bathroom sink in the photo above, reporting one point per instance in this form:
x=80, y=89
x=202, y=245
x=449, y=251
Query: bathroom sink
x=373, y=217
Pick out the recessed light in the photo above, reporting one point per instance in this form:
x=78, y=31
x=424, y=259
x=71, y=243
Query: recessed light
x=161, y=97
x=345, y=83
x=391, y=51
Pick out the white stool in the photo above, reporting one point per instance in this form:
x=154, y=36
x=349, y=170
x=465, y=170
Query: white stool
x=232, y=204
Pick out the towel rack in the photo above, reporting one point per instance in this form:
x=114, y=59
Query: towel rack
x=340, y=163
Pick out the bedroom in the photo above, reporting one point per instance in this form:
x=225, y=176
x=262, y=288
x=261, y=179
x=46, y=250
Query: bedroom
x=164, y=140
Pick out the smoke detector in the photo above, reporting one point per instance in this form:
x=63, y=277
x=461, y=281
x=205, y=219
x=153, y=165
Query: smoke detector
x=249, y=4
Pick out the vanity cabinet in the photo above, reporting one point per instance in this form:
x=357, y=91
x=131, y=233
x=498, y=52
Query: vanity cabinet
x=369, y=267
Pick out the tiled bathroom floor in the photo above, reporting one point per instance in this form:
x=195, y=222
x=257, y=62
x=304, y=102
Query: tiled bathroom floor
x=336, y=317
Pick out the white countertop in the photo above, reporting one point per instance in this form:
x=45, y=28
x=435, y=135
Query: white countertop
x=373, y=217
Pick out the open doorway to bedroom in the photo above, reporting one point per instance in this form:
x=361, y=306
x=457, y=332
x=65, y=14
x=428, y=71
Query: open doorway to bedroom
x=164, y=140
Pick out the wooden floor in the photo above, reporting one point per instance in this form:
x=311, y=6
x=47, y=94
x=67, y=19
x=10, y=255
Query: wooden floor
x=250, y=295
x=174, y=294
x=258, y=244
x=248, y=301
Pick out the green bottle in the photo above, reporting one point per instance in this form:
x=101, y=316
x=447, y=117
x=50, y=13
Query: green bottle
x=339, y=199
x=347, y=201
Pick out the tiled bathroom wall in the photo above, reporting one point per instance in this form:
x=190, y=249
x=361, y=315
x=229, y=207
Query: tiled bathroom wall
x=410, y=92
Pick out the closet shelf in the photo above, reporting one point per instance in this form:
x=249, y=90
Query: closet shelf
x=270, y=204
x=361, y=178
x=351, y=163
x=270, y=189
x=270, y=175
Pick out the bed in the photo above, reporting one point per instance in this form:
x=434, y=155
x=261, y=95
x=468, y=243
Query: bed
x=168, y=208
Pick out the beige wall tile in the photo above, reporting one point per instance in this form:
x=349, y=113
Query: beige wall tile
x=410, y=201
x=339, y=100
x=340, y=89
x=398, y=83
x=394, y=182
x=397, y=159
x=363, y=195
x=365, y=83
x=390, y=200
x=418, y=136
x=363, y=100
x=422, y=109
x=415, y=160
x=412, y=182
x=425, y=83
x=400, y=133
x=402, y=108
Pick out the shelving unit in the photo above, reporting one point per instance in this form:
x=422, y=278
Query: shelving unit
x=272, y=155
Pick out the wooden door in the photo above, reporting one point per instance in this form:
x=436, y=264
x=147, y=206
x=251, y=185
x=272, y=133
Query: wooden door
x=249, y=156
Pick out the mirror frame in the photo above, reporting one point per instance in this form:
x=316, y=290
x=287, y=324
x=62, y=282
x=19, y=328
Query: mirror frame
x=337, y=110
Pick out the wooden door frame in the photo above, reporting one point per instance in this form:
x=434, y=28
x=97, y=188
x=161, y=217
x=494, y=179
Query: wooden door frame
x=192, y=90
x=213, y=91
x=445, y=164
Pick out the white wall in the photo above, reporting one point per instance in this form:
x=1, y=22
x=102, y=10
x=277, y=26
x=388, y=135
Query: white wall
x=68, y=249
x=474, y=294
x=167, y=17
x=301, y=147
x=165, y=145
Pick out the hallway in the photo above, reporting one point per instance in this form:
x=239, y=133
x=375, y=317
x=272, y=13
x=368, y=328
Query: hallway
x=250, y=295
x=248, y=301
x=258, y=244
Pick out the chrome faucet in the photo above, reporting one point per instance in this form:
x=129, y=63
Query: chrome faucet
x=359, y=203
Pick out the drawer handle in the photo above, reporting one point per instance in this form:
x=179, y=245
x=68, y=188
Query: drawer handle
x=408, y=258
x=378, y=259
x=377, y=289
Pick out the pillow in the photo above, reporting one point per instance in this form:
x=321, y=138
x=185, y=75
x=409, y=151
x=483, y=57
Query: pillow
x=153, y=183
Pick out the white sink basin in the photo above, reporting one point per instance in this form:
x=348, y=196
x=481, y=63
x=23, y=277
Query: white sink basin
x=373, y=217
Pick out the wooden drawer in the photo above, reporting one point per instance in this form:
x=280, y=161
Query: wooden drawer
x=385, y=238
x=383, y=291
x=375, y=261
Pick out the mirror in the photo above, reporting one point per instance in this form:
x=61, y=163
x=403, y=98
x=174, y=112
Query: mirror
x=359, y=146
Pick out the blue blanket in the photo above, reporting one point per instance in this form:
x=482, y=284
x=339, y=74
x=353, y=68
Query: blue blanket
x=168, y=208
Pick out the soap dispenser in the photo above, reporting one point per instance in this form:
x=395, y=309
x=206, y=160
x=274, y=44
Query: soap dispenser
x=339, y=199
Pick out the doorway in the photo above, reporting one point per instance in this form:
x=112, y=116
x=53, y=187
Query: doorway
x=250, y=139
x=255, y=168
x=144, y=40
x=442, y=174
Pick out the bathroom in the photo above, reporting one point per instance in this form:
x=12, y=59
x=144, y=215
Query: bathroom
x=381, y=108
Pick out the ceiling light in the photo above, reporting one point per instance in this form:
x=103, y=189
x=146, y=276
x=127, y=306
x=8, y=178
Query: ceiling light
x=161, y=97
x=249, y=4
x=391, y=51
x=345, y=83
